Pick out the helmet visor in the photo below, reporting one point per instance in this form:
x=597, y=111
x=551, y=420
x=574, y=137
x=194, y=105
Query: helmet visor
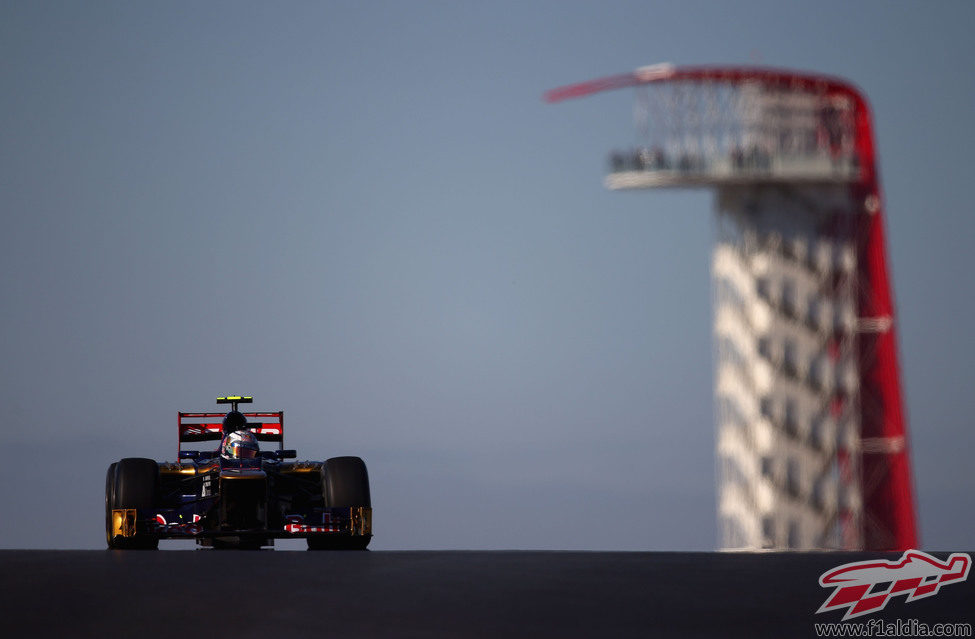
x=241, y=450
x=245, y=452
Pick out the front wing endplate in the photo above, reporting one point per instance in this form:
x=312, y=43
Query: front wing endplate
x=361, y=520
x=123, y=522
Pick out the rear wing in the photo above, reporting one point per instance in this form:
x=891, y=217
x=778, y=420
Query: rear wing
x=203, y=427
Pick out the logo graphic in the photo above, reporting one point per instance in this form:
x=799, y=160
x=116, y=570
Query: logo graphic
x=864, y=587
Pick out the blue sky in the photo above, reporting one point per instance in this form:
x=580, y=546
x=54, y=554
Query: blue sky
x=365, y=215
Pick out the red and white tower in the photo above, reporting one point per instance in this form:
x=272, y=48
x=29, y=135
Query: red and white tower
x=811, y=437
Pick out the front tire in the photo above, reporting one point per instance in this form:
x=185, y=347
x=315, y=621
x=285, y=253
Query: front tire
x=345, y=484
x=131, y=483
x=109, y=502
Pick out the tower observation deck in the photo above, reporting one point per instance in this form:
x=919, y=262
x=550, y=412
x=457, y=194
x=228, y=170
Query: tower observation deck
x=811, y=439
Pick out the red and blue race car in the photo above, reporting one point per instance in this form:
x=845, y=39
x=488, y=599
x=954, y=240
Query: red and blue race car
x=238, y=495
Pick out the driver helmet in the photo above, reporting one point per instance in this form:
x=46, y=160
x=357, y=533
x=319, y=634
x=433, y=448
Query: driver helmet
x=240, y=445
x=234, y=420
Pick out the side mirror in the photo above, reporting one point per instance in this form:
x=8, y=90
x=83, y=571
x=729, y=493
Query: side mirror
x=189, y=454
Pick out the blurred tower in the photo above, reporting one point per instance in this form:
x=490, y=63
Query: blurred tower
x=811, y=438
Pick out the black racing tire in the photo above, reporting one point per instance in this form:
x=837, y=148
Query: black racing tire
x=109, y=502
x=345, y=484
x=134, y=485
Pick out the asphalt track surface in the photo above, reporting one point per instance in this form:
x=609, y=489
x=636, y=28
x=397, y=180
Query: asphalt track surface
x=236, y=594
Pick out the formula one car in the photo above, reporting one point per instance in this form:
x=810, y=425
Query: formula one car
x=237, y=496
